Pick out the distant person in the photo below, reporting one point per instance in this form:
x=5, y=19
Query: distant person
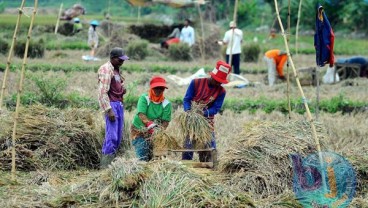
x=236, y=46
x=77, y=25
x=187, y=34
x=153, y=111
x=210, y=92
x=173, y=38
x=110, y=97
x=275, y=60
x=93, y=37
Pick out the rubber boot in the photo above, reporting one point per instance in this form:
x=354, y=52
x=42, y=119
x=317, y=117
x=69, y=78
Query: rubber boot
x=106, y=160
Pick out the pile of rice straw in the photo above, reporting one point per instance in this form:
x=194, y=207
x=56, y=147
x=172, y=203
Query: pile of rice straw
x=259, y=161
x=50, y=138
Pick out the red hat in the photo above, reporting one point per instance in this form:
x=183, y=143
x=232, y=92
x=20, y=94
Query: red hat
x=221, y=72
x=157, y=81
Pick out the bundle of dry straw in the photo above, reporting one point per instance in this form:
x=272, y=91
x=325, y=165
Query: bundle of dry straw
x=50, y=138
x=193, y=125
x=260, y=160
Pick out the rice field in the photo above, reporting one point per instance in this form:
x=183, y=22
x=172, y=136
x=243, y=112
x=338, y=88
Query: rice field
x=59, y=148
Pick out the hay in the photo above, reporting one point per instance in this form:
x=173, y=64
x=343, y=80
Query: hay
x=49, y=138
x=162, y=141
x=194, y=125
x=260, y=159
x=117, y=39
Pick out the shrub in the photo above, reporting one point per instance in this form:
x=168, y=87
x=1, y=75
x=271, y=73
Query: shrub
x=36, y=49
x=137, y=50
x=4, y=46
x=251, y=52
x=50, y=90
x=180, y=51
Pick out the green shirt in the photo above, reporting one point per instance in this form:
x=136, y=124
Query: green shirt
x=155, y=112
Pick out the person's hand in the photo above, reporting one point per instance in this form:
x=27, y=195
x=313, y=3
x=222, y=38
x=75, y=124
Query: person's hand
x=220, y=42
x=150, y=127
x=111, y=115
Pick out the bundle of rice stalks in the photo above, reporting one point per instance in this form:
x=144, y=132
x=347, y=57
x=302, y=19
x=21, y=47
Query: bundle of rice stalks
x=162, y=141
x=193, y=125
x=49, y=138
x=359, y=160
x=260, y=159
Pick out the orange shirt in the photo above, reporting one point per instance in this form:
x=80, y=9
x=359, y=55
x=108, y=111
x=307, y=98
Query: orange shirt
x=279, y=60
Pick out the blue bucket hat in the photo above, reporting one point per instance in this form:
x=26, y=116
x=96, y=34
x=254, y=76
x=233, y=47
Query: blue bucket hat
x=76, y=19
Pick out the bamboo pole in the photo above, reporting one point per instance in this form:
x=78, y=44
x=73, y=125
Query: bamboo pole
x=232, y=36
x=297, y=27
x=309, y=116
x=20, y=89
x=202, y=47
x=10, y=55
x=287, y=68
x=58, y=19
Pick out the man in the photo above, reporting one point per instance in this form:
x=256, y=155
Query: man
x=275, y=60
x=187, y=33
x=210, y=92
x=235, y=49
x=110, y=96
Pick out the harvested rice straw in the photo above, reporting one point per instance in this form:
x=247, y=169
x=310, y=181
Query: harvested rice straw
x=194, y=125
x=162, y=140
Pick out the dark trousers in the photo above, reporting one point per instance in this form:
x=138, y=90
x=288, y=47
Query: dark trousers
x=203, y=156
x=235, y=63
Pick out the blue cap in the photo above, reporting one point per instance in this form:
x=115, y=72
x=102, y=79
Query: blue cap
x=76, y=19
x=95, y=22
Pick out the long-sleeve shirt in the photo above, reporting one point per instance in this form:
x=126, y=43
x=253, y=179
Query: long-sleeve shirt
x=92, y=37
x=280, y=60
x=187, y=35
x=198, y=91
x=110, y=86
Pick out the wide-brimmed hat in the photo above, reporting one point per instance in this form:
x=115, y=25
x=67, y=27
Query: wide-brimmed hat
x=118, y=52
x=94, y=22
x=221, y=71
x=158, y=81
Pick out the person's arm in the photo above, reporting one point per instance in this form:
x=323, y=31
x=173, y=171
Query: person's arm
x=216, y=106
x=104, y=80
x=225, y=40
x=187, y=102
x=142, y=108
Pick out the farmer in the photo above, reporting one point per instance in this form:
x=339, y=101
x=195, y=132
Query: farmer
x=275, y=60
x=110, y=96
x=93, y=37
x=187, y=33
x=236, y=46
x=173, y=38
x=77, y=26
x=210, y=92
x=153, y=111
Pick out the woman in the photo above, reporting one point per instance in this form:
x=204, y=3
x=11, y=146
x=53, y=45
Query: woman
x=93, y=37
x=153, y=111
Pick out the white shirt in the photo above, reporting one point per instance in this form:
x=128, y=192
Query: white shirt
x=238, y=37
x=187, y=35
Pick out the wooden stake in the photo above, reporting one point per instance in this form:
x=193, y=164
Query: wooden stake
x=202, y=47
x=297, y=27
x=58, y=19
x=232, y=36
x=10, y=55
x=287, y=68
x=309, y=116
x=20, y=89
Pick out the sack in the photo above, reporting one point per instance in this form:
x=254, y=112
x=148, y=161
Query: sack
x=328, y=78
